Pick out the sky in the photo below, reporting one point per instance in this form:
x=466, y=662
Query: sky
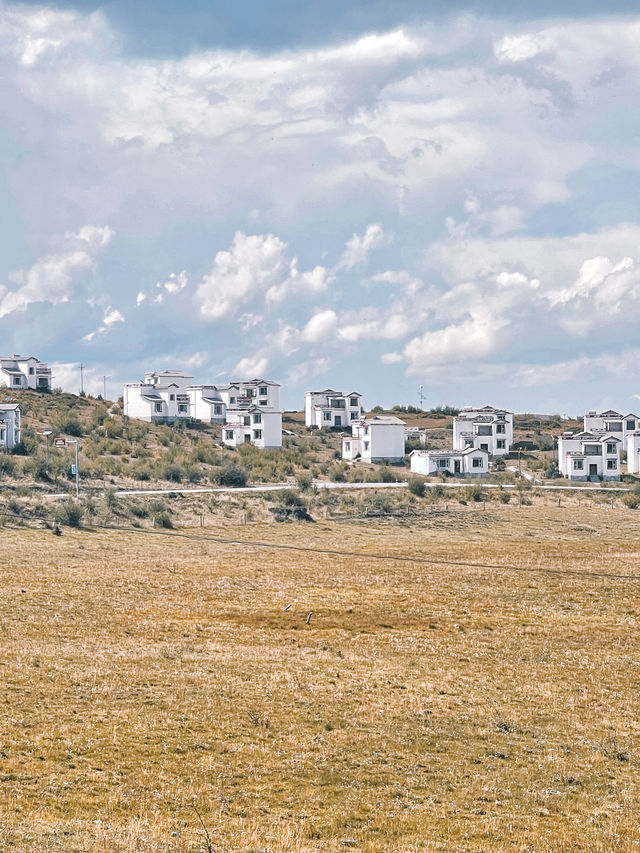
x=370, y=196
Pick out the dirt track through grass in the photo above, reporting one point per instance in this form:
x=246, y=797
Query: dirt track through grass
x=424, y=707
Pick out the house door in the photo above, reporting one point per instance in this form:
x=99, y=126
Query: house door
x=593, y=470
x=247, y=438
x=456, y=466
x=337, y=420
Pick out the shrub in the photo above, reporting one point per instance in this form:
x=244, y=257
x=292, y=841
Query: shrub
x=164, y=520
x=7, y=465
x=174, y=473
x=70, y=513
x=417, y=487
x=474, y=493
x=631, y=500
x=304, y=482
x=233, y=476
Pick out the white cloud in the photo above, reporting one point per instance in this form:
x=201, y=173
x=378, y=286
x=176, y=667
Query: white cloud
x=53, y=278
x=111, y=317
x=300, y=284
x=472, y=339
x=321, y=326
x=359, y=247
x=251, y=266
x=251, y=366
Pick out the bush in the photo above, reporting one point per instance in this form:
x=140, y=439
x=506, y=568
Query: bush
x=7, y=465
x=416, y=486
x=233, y=476
x=631, y=500
x=474, y=493
x=163, y=520
x=174, y=473
x=70, y=513
x=291, y=507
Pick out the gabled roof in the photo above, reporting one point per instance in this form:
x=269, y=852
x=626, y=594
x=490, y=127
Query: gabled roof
x=5, y=407
x=384, y=420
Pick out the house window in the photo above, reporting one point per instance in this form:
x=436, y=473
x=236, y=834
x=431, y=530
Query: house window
x=442, y=463
x=228, y=434
x=612, y=464
x=182, y=408
x=354, y=415
x=217, y=409
x=327, y=416
x=354, y=402
x=476, y=462
x=172, y=396
x=246, y=420
x=31, y=371
x=578, y=464
x=500, y=428
x=257, y=433
x=631, y=424
x=501, y=444
x=2, y=433
x=232, y=400
x=158, y=407
x=262, y=391
x=257, y=418
x=347, y=446
x=366, y=430
x=468, y=442
x=17, y=380
x=611, y=448
x=365, y=445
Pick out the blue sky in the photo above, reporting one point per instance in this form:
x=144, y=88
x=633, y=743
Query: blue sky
x=371, y=196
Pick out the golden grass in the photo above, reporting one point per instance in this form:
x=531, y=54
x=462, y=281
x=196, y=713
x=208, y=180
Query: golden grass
x=424, y=707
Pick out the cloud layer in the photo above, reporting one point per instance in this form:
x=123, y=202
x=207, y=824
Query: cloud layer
x=451, y=204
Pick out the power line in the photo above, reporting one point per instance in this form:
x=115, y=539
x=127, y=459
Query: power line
x=249, y=543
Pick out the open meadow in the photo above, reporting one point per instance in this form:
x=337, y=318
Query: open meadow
x=158, y=696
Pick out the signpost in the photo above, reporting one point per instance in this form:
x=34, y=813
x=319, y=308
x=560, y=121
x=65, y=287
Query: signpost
x=64, y=442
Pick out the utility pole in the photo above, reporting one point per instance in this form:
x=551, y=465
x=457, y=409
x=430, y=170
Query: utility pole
x=104, y=387
x=46, y=433
x=421, y=397
x=81, y=378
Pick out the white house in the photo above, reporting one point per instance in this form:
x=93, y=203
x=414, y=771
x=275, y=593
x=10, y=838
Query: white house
x=253, y=392
x=486, y=428
x=253, y=425
x=611, y=422
x=472, y=462
x=9, y=425
x=585, y=456
x=414, y=433
x=161, y=398
x=633, y=452
x=330, y=408
x=19, y=372
x=206, y=404
x=376, y=439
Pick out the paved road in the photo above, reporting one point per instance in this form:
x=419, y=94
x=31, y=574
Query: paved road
x=277, y=487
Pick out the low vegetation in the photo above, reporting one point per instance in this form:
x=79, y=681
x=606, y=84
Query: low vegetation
x=474, y=689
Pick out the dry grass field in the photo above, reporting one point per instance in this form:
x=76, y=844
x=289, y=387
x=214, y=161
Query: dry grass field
x=425, y=706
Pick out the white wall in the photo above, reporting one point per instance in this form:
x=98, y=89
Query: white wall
x=10, y=426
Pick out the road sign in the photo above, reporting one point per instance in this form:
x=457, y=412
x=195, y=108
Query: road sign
x=73, y=470
x=59, y=442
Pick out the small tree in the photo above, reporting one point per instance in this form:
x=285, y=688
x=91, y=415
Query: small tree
x=416, y=486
